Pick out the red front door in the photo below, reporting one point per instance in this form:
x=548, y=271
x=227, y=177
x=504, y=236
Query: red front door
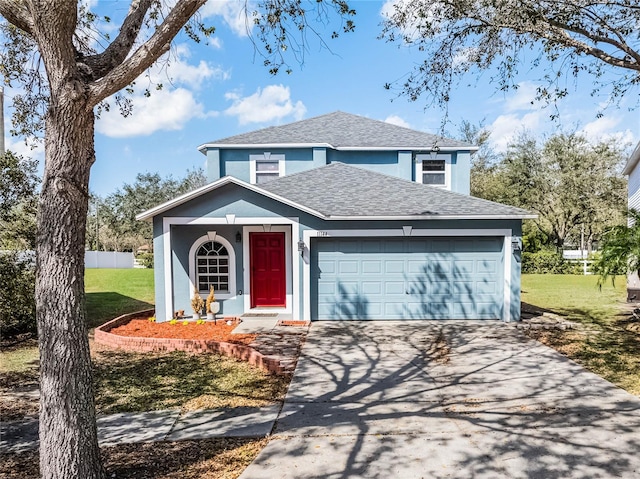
x=268, y=276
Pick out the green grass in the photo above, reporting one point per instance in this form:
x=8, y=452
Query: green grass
x=607, y=340
x=109, y=293
x=576, y=296
x=113, y=292
x=19, y=360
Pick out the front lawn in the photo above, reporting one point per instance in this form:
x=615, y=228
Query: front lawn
x=607, y=339
x=114, y=292
x=127, y=382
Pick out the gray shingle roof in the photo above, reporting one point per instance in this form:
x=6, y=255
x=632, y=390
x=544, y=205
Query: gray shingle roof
x=344, y=190
x=343, y=130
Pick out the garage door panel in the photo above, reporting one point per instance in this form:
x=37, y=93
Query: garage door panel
x=420, y=278
x=439, y=266
x=348, y=288
x=394, y=287
x=372, y=267
x=348, y=267
x=486, y=310
x=394, y=266
x=417, y=266
x=486, y=266
x=462, y=267
x=394, y=310
x=327, y=288
x=463, y=287
x=328, y=267
x=486, y=287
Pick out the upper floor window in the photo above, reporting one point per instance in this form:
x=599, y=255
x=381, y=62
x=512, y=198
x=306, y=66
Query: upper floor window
x=434, y=170
x=265, y=167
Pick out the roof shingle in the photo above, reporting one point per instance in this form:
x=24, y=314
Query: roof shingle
x=339, y=190
x=343, y=130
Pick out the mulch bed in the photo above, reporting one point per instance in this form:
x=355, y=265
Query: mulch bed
x=218, y=331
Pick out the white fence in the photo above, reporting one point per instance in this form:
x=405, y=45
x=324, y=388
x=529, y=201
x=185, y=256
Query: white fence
x=579, y=256
x=108, y=259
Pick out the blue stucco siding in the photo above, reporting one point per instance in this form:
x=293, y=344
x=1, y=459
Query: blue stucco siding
x=243, y=204
x=183, y=238
x=380, y=161
x=309, y=222
x=461, y=172
x=236, y=162
x=232, y=199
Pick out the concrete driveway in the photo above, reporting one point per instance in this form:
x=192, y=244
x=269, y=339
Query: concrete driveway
x=446, y=400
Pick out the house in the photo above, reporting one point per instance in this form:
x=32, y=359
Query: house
x=633, y=202
x=339, y=217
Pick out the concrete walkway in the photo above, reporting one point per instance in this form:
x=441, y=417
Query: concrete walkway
x=167, y=425
x=455, y=400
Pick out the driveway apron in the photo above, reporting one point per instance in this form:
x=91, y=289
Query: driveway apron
x=459, y=399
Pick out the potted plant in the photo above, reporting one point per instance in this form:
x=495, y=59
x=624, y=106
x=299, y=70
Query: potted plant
x=197, y=304
x=212, y=305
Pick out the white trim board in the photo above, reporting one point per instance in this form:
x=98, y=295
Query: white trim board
x=400, y=232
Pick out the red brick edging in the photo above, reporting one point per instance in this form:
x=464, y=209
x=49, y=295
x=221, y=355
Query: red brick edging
x=144, y=345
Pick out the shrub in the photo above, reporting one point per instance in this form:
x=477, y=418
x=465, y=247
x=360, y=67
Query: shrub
x=17, y=294
x=548, y=262
x=145, y=259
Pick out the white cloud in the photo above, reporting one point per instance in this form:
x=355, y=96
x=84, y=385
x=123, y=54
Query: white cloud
x=215, y=43
x=269, y=104
x=163, y=110
x=605, y=129
x=396, y=120
x=506, y=127
x=179, y=71
x=518, y=114
x=523, y=98
x=19, y=147
x=233, y=12
x=168, y=109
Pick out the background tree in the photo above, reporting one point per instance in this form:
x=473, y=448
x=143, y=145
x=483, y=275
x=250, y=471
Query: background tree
x=115, y=215
x=18, y=200
x=576, y=188
x=48, y=51
x=619, y=250
x=486, y=176
x=456, y=37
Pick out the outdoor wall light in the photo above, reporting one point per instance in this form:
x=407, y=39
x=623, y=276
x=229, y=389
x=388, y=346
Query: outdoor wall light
x=515, y=245
x=301, y=247
x=238, y=237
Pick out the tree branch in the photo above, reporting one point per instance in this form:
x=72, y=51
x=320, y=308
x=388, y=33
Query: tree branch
x=16, y=13
x=127, y=71
x=117, y=51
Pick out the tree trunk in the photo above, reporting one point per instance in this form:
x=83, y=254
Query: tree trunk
x=68, y=433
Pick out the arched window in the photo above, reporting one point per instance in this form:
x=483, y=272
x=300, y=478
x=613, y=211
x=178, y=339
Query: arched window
x=213, y=267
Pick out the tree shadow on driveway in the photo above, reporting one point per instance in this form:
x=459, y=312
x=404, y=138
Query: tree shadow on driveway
x=446, y=399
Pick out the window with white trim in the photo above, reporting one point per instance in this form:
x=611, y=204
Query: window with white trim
x=265, y=167
x=212, y=267
x=434, y=170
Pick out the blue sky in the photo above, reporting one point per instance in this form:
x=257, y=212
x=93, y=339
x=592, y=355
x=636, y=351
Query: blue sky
x=222, y=89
